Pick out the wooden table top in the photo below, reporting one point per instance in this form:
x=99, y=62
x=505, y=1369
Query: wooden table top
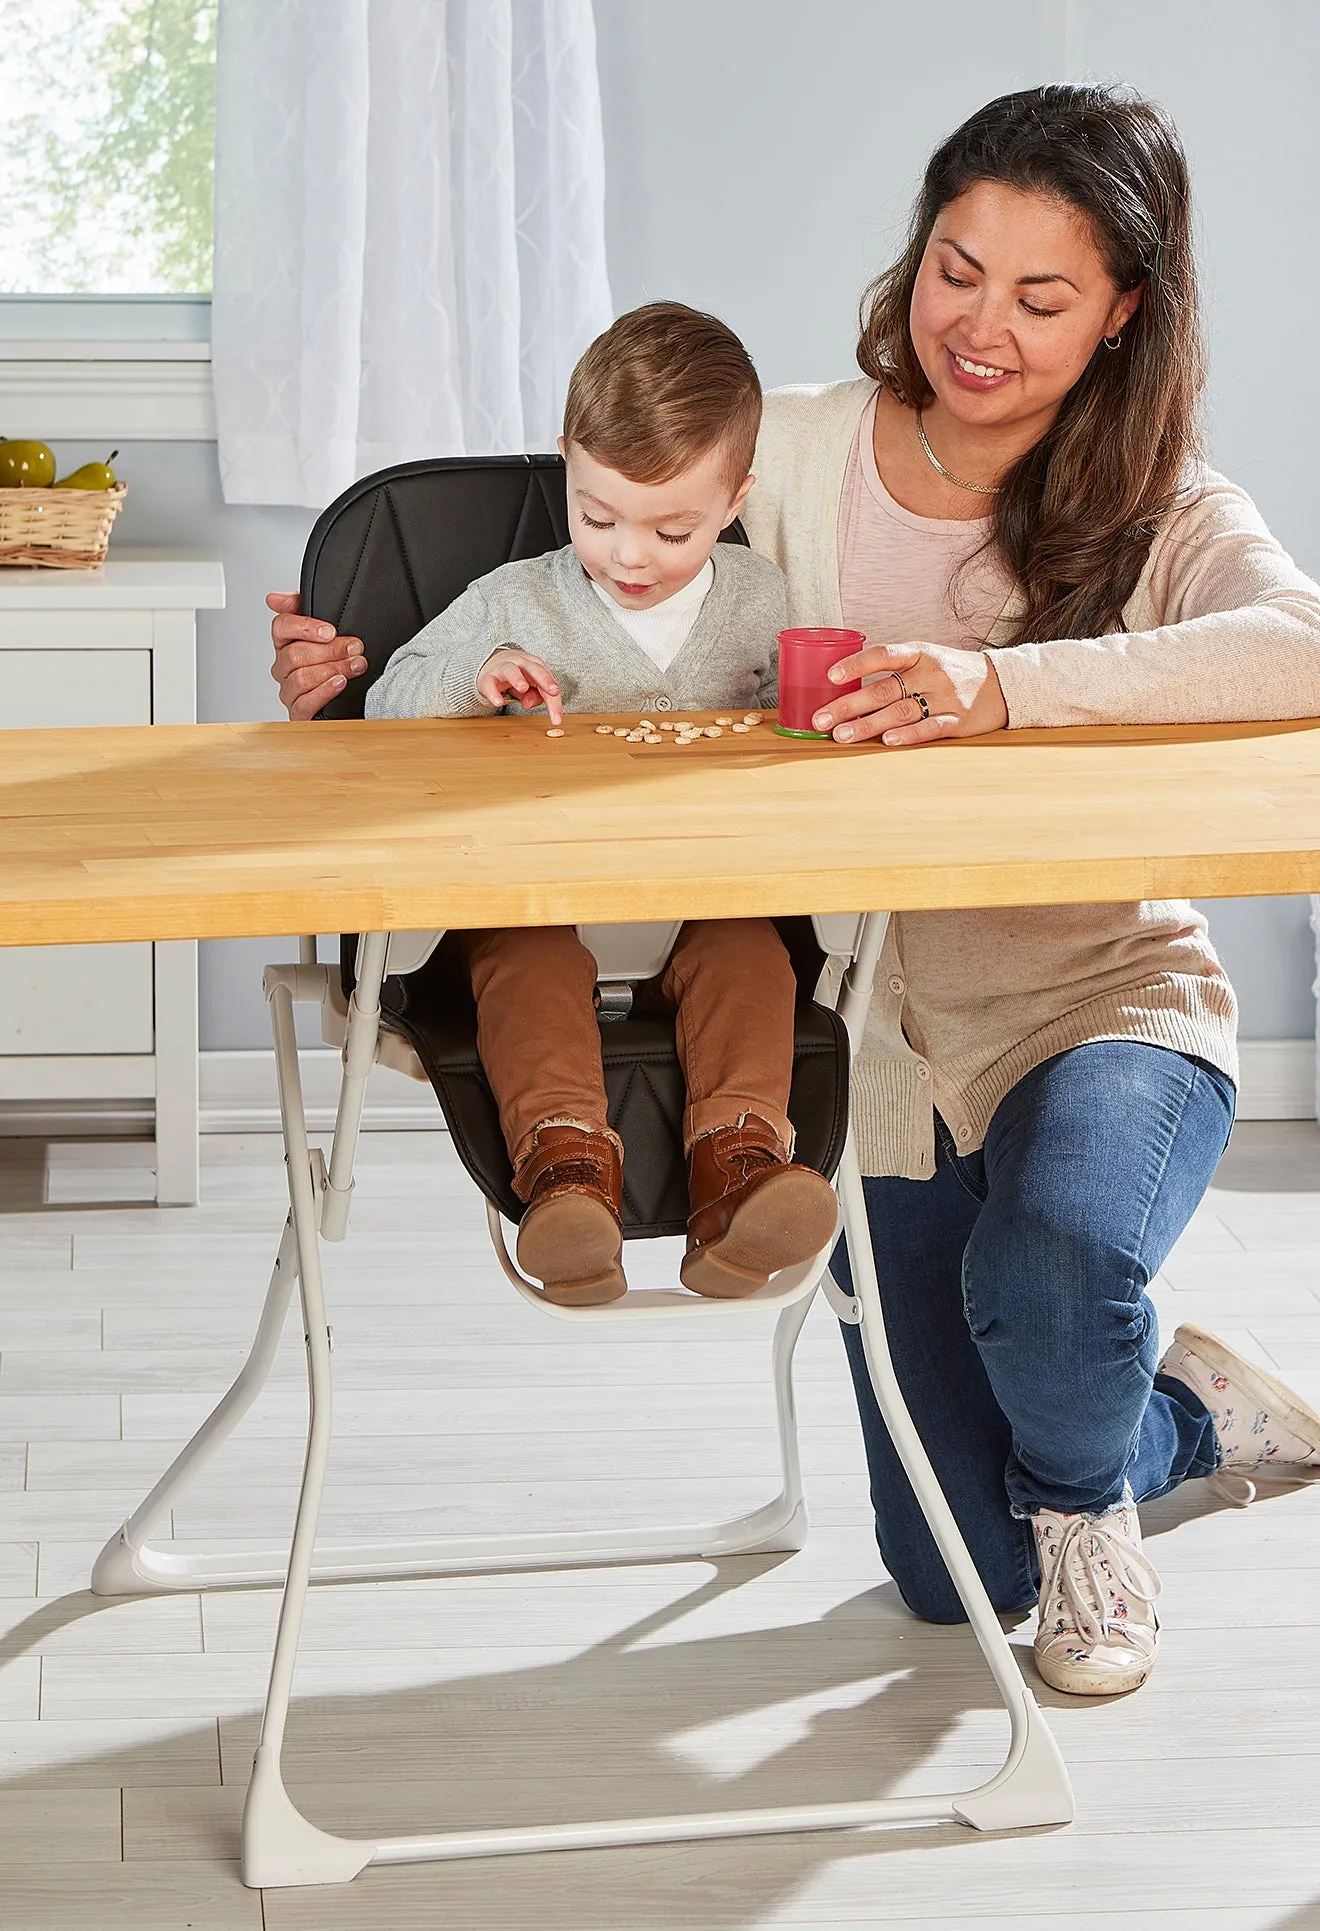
x=214, y=831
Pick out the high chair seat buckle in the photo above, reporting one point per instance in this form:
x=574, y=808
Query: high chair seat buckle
x=614, y=1001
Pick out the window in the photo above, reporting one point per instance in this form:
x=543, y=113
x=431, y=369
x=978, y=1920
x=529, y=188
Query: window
x=106, y=141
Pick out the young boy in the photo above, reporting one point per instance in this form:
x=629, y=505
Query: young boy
x=641, y=613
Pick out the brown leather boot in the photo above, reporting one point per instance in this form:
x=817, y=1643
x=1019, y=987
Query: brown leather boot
x=570, y=1238
x=753, y=1211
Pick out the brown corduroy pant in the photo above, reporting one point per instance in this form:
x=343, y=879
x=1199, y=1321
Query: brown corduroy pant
x=729, y=982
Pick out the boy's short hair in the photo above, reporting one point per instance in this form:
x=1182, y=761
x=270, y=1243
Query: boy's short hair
x=660, y=389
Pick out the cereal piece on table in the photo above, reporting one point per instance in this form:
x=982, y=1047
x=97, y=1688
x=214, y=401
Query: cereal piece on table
x=634, y=737
x=713, y=731
x=744, y=728
x=555, y=731
x=751, y=717
x=604, y=730
x=724, y=720
x=619, y=731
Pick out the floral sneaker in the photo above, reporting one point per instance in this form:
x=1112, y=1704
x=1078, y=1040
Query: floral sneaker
x=1260, y=1424
x=1098, y=1631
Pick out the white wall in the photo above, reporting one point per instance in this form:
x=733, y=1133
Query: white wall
x=761, y=157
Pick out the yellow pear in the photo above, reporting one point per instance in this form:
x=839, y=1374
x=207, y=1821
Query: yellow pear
x=25, y=465
x=91, y=475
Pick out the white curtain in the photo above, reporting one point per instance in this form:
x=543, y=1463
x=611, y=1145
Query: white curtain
x=409, y=242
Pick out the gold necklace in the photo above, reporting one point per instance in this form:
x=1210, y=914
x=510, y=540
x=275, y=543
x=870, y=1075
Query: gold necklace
x=981, y=489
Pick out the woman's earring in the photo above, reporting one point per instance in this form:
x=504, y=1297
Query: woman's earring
x=1116, y=341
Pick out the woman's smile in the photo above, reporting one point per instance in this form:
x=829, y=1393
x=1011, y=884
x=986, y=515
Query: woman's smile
x=980, y=377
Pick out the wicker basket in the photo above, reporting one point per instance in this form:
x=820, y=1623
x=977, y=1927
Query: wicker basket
x=63, y=529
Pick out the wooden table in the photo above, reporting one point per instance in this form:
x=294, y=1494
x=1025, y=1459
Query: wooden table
x=231, y=830
x=223, y=831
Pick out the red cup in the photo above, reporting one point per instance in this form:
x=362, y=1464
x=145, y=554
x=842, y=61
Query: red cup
x=805, y=658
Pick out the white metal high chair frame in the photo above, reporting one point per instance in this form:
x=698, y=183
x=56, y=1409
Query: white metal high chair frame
x=282, y=1847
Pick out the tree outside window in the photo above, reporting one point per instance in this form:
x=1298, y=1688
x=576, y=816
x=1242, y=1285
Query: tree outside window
x=107, y=132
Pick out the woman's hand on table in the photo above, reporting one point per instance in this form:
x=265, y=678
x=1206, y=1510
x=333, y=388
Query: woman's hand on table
x=313, y=663
x=518, y=675
x=961, y=689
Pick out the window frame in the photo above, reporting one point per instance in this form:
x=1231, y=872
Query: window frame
x=134, y=368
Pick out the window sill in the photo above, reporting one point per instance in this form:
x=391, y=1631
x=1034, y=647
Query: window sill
x=124, y=391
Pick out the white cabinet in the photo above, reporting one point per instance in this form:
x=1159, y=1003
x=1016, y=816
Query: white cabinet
x=115, y=1022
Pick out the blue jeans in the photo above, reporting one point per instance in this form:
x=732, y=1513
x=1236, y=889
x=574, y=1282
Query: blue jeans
x=1014, y=1290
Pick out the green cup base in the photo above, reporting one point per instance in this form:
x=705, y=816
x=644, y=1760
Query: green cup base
x=782, y=730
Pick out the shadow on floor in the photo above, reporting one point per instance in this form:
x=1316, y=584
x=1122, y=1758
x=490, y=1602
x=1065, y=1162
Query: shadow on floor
x=644, y=1723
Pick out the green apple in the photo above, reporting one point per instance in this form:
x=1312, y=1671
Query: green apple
x=25, y=465
x=90, y=476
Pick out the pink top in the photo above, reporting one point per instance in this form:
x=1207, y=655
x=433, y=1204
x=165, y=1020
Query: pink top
x=899, y=575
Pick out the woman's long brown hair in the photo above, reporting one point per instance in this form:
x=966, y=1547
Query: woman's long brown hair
x=1076, y=514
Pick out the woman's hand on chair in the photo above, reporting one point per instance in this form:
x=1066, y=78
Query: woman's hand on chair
x=313, y=663
x=517, y=674
x=962, y=695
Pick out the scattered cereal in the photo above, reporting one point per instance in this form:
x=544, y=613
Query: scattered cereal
x=713, y=731
x=555, y=732
x=620, y=731
x=744, y=728
x=751, y=717
x=604, y=730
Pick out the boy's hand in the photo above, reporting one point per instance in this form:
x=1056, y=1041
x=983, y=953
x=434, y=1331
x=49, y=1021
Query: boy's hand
x=516, y=674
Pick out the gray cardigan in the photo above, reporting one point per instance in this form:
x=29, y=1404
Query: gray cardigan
x=547, y=605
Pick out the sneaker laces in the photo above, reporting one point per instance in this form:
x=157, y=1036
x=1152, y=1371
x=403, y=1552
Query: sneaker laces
x=1239, y=1491
x=1231, y=1486
x=1089, y=1558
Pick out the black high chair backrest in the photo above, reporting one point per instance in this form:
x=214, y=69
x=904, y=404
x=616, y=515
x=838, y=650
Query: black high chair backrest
x=388, y=555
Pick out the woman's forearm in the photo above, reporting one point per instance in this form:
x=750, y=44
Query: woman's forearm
x=1259, y=662
x=1223, y=627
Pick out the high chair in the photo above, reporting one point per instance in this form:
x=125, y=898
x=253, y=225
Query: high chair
x=383, y=559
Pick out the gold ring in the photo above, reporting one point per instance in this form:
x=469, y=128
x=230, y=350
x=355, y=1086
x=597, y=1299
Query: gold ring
x=902, y=687
x=917, y=698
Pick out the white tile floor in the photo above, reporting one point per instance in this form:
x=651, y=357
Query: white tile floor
x=126, y=1729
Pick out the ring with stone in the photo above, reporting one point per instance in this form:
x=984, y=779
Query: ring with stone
x=917, y=698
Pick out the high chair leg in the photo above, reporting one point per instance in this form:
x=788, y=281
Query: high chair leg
x=1032, y=1787
x=128, y=1565
x=282, y=1847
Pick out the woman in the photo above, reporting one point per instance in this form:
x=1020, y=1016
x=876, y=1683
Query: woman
x=1044, y=1093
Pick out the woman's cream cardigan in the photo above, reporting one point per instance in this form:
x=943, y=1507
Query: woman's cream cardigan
x=1222, y=625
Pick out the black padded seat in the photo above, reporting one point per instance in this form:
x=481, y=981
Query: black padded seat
x=392, y=552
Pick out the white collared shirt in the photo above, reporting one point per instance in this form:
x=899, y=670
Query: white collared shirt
x=663, y=630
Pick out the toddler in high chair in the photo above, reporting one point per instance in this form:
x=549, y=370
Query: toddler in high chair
x=643, y=612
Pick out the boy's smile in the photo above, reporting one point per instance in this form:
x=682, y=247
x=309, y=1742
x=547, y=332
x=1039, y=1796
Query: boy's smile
x=644, y=542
